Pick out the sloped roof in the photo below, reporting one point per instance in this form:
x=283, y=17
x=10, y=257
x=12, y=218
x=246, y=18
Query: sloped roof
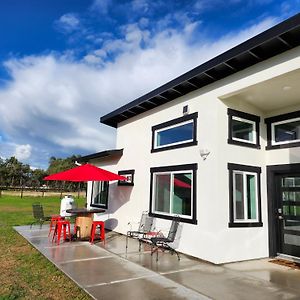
x=267, y=44
x=102, y=154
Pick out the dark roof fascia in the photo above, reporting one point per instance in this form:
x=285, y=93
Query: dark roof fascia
x=266, y=36
x=102, y=154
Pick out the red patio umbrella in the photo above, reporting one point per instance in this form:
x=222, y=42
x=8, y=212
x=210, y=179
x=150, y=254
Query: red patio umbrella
x=85, y=172
x=181, y=183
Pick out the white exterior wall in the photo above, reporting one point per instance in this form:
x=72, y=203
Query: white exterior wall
x=211, y=239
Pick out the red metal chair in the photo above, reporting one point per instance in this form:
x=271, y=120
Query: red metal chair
x=54, y=219
x=93, y=231
x=62, y=226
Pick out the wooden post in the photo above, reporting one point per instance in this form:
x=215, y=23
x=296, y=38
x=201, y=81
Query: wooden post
x=22, y=191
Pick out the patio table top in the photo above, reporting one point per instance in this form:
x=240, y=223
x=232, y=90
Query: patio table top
x=84, y=210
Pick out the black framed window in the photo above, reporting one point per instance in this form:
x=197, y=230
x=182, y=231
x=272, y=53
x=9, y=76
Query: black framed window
x=177, y=133
x=173, y=192
x=243, y=129
x=100, y=194
x=129, y=174
x=244, y=196
x=283, y=131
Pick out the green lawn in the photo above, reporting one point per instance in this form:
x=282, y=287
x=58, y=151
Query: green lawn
x=24, y=272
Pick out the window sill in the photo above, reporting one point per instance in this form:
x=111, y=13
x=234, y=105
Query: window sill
x=283, y=146
x=244, y=144
x=244, y=224
x=183, y=145
x=99, y=206
x=166, y=217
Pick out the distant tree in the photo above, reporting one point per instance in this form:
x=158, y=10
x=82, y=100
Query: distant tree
x=3, y=172
x=15, y=173
x=14, y=170
x=59, y=165
x=37, y=177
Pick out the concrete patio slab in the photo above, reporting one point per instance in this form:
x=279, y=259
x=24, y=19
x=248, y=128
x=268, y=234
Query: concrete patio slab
x=74, y=252
x=219, y=283
x=150, y=288
x=108, y=271
x=100, y=271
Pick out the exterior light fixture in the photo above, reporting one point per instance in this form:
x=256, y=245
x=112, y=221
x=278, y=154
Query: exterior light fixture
x=204, y=153
x=185, y=110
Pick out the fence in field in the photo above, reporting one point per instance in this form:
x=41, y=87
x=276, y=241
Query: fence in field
x=39, y=191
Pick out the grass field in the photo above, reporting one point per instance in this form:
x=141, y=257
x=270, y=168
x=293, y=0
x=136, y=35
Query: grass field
x=24, y=272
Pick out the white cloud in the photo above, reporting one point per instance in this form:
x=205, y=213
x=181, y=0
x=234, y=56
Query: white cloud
x=53, y=103
x=204, y=5
x=92, y=59
x=101, y=6
x=23, y=152
x=68, y=23
x=140, y=5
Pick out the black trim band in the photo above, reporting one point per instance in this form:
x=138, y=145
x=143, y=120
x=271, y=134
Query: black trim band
x=126, y=172
x=187, y=167
x=179, y=120
x=238, y=167
x=279, y=118
x=104, y=206
x=272, y=192
x=246, y=168
x=240, y=114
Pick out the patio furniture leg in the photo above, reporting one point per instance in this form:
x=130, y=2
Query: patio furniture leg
x=32, y=224
x=69, y=230
x=54, y=233
x=94, y=228
x=58, y=234
x=126, y=242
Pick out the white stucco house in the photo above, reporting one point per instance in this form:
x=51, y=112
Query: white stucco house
x=220, y=147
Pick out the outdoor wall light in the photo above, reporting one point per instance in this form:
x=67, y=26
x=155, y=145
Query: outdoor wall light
x=204, y=153
x=185, y=110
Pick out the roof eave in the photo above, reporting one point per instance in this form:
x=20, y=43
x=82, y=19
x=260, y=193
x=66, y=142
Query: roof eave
x=274, y=34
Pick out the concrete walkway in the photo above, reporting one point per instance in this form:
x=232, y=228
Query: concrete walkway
x=108, y=272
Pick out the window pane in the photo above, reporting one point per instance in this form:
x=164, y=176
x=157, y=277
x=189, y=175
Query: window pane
x=175, y=135
x=162, y=193
x=242, y=130
x=182, y=196
x=287, y=132
x=251, y=196
x=100, y=193
x=290, y=182
x=239, y=196
x=291, y=196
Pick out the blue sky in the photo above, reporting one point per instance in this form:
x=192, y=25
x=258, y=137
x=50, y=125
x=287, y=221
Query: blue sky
x=65, y=63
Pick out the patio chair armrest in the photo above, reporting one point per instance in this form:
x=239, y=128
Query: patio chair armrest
x=152, y=234
x=132, y=223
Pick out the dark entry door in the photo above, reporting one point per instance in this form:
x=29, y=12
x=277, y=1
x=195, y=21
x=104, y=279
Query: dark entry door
x=288, y=217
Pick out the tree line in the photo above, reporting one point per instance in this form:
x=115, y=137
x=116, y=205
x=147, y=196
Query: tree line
x=14, y=173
